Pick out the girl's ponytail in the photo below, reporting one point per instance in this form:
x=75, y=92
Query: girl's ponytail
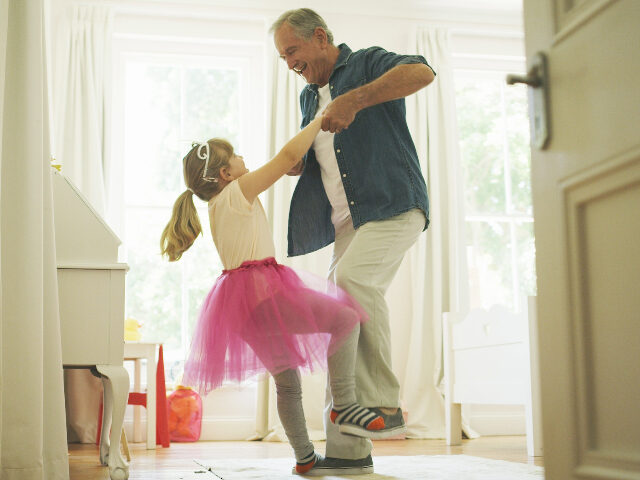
x=183, y=228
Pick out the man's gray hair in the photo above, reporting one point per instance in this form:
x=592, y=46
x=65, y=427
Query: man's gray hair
x=304, y=22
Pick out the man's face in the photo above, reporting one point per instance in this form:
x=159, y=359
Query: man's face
x=308, y=58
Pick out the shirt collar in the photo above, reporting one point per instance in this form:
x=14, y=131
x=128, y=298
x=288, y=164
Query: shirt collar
x=343, y=58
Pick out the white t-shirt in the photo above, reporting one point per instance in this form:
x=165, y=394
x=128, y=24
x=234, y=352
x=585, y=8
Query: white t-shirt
x=330, y=174
x=239, y=229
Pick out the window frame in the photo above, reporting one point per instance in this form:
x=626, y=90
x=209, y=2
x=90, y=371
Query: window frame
x=246, y=57
x=496, y=69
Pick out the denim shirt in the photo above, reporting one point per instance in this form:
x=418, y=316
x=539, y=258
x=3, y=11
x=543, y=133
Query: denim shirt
x=376, y=156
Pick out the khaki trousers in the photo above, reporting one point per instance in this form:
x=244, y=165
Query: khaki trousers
x=364, y=263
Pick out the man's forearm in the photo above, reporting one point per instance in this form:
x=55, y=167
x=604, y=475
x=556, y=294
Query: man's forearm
x=400, y=81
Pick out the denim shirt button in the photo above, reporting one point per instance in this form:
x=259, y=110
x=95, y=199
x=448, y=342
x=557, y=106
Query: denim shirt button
x=338, y=150
x=352, y=202
x=344, y=174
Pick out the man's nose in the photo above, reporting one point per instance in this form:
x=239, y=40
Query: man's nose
x=291, y=63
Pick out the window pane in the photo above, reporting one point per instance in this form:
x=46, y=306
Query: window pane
x=495, y=160
x=211, y=107
x=170, y=103
x=153, y=169
x=526, y=256
x=489, y=262
x=153, y=291
x=518, y=144
x=481, y=131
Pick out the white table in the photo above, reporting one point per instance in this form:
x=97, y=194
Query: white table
x=136, y=352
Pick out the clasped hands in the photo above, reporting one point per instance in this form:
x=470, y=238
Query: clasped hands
x=339, y=114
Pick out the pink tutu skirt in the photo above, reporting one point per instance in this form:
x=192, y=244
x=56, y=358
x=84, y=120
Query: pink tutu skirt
x=263, y=317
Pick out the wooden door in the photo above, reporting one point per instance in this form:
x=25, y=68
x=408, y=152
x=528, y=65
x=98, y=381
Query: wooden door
x=586, y=196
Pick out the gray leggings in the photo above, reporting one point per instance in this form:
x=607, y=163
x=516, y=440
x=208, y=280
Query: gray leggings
x=341, y=366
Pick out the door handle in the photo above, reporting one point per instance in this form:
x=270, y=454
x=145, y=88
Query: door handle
x=537, y=79
x=532, y=78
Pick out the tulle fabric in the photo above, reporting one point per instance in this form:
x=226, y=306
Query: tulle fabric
x=265, y=317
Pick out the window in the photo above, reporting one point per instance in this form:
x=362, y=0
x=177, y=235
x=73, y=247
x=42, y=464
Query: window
x=168, y=100
x=494, y=140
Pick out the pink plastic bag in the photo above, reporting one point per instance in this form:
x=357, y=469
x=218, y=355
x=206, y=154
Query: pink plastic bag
x=185, y=415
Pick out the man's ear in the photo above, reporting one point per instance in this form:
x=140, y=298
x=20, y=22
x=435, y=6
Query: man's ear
x=320, y=35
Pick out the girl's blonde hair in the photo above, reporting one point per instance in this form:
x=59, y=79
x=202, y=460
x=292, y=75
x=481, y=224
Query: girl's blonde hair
x=184, y=226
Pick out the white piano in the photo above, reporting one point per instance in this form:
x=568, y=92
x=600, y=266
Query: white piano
x=91, y=293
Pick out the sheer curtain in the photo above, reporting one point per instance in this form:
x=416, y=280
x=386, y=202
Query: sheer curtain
x=437, y=273
x=32, y=428
x=82, y=100
x=81, y=141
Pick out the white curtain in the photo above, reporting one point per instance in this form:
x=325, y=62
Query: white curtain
x=81, y=104
x=81, y=144
x=432, y=279
x=32, y=427
x=437, y=273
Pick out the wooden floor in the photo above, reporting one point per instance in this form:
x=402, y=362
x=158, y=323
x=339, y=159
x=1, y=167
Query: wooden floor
x=177, y=462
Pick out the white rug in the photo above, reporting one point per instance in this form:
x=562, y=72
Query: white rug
x=432, y=467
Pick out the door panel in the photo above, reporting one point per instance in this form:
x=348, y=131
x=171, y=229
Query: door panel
x=602, y=235
x=586, y=196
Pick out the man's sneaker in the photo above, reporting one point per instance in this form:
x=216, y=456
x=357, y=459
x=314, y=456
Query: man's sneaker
x=393, y=425
x=339, y=466
x=357, y=420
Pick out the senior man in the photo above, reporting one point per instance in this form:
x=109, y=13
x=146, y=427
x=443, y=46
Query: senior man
x=361, y=187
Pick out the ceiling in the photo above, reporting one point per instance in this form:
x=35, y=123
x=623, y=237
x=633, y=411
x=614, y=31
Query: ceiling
x=505, y=6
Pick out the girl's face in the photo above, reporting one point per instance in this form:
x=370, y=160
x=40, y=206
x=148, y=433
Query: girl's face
x=236, y=167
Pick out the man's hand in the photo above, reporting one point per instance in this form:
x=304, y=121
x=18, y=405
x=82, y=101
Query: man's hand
x=340, y=113
x=400, y=81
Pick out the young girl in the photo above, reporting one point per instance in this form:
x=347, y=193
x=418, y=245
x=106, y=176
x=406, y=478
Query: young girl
x=260, y=316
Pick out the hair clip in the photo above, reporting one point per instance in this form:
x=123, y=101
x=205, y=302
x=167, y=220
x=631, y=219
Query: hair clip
x=203, y=154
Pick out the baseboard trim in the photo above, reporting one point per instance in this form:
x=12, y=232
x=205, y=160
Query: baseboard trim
x=213, y=428
x=228, y=429
x=498, y=424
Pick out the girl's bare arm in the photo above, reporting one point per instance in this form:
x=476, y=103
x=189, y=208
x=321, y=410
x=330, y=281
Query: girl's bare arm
x=256, y=182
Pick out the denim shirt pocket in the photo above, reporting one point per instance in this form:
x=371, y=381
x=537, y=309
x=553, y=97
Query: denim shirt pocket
x=349, y=84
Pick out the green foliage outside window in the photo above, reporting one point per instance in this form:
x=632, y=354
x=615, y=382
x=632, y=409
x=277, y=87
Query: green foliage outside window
x=168, y=105
x=494, y=140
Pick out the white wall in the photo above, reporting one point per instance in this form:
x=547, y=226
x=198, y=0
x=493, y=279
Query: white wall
x=485, y=33
x=478, y=31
